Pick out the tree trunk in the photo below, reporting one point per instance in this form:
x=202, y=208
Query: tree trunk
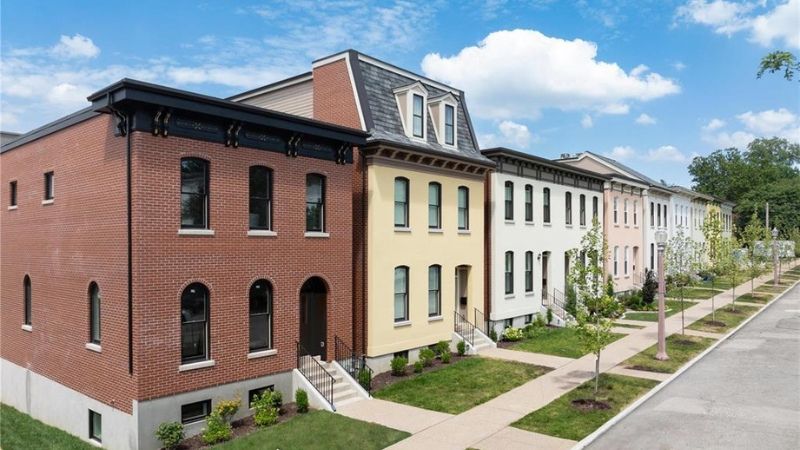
x=713, y=313
x=597, y=374
x=682, y=319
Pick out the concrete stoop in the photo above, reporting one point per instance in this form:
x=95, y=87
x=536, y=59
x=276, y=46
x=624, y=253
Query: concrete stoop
x=344, y=390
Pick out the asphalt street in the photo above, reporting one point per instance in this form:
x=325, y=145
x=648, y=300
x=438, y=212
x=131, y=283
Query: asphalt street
x=744, y=394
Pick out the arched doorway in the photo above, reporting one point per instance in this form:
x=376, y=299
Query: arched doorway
x=313, y=316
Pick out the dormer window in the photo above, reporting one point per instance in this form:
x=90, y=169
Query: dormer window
x=418, y=116
x=444, y=115
x=449, y=125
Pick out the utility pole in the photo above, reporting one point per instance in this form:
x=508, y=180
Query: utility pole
x=767, y=226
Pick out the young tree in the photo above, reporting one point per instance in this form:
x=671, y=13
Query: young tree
x=708, y=262
x=681, y=262
x=595, y=307
x=728, y=264
x=754, y=237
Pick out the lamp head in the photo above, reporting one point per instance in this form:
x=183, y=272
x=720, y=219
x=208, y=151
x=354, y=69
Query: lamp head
x=775, y=233
x=661, y=236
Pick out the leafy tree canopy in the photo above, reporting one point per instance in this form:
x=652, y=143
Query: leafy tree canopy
x=779, y=61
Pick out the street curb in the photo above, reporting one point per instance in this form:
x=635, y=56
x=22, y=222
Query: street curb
x=625, y=412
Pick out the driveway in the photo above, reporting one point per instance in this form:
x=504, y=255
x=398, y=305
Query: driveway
x=745, y=394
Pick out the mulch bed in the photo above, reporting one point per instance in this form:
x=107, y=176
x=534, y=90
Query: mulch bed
x=584, y=404
x=385, y=379
x=241, y=427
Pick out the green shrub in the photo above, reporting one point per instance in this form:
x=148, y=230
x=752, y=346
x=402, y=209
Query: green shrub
x=365, y=378
x=461, y=347
x=539, y=321
x=217, y=429
x=170, y=434
x=571, y=303
x=649, y=287
x=266, y=413
x=512, y=334
x=549, y=316
x=493, y=334
x=442, y=347
x=228, y=408
x=398, y=365
x=301, y=400
x=277, y=399
x=418, y=366
x=446, y=357
x=610, y=286
x=426, y=357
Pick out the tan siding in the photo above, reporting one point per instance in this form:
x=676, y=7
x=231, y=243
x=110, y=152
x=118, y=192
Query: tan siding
x=297, y=99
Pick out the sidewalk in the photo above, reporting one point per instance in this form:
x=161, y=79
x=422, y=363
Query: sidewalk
x=486, y=426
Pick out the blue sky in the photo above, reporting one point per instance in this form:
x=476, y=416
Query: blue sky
x=651, y=83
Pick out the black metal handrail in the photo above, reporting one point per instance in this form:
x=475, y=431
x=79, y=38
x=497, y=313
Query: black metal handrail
x=639, y=278
x=354, y=364
x=480, y=321
x=464, y=328
x=558, y=304
x=315, y=373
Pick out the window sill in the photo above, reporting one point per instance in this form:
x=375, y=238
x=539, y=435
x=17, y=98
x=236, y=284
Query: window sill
x=435, y=319
x=627, y=226
x=530, y=294
x=93, y=347
x=48, y=202
x=404, y=323
x=509, y=296
x=12, y=208
x=548, y=224
x=262, y=353
x=28, y=328
x=402, y=229
x=529, y=223
x=583, y=227
x=317, y=234
x=435, y=231
x=509, y=222
x=96, y=443
x=616, y=225
x=196, y=365
x=195, y=232
x=570, y=226
x=466, y=232
x=261, y=233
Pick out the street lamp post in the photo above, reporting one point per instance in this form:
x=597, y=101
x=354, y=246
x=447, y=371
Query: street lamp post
x=661, y=242
x=775, y=257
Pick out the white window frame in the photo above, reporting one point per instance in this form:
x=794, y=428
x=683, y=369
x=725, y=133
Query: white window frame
x=439, y=105
x=404, y=96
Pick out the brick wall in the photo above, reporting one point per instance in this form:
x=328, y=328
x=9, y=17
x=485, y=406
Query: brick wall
x=230, y=261
x=81, y=237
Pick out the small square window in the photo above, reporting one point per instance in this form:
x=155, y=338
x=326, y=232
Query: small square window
x=95, y=426
x=251, y=395
x=508, y=323
x=12, y=188
x=194, y=412
x=403, y=354
x=528, y=318
x=49, y=189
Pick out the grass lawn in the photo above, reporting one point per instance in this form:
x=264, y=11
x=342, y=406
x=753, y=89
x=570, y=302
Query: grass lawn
x=319, y=430
x=680, y=349
x=769, y=288
x=562, y=419
x=693, y=292
x=461, y=385
x=759, y=297
x=674, y=307
x=628, y=325
x=20, y=431
x=724, y=316
x=554, y=341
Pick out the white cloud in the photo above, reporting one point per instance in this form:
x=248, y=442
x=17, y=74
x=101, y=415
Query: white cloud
x=517, y=73
x=621, y=153
x=777, y=26
x=714, y=124
x=586, y=121
x=768, y=122
x=738, y=139
x=679, y=66
x=645, y=119
x=666, y=153
x=511, y=134
x=77, y=46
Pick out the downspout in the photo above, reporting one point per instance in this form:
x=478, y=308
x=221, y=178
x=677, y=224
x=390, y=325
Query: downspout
x=130, y=249
x=364, y=203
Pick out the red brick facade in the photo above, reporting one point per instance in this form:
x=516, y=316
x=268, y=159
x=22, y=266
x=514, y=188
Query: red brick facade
x=82, y=237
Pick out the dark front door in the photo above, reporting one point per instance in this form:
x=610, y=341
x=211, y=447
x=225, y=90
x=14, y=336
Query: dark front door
x=313, y=323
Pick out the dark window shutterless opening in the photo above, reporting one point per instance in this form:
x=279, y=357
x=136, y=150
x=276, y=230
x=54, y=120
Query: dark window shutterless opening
x=315, y=202
x=94, y=313
x=401, y=202
x=194, y=323
x=251, y=395
x=260, y=316
x=449, y=125
x=194, y=193
x=260, y=198
x=194, y=412
x=463, y=208
x=12, y=190
x=95, y=426
x=27, y=300
x=49, y=186
x=509, y=200
x=434, y=205
x=418, y=118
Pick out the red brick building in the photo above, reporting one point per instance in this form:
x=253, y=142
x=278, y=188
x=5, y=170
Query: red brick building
x=162, y=250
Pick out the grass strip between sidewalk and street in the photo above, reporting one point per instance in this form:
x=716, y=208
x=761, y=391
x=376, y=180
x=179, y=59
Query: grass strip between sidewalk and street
x=727, y=317
x=680, y=349
x=566, y=418
x=673, y=307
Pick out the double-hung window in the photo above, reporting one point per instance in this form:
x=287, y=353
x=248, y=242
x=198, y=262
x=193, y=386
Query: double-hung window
x=636, y=213
x=616, y=261
x=260, y=198
x=568, y=208
x=625, y=211
x=595, y=207
x=401, y=294
x=509, y=200
x=418, y=116
x=194, y=193
x=528, y=203
x=449, y=125
x=582, y=212
x=194, y=323
x=94, y=313
x=509, y=273
x=529, y=271
x=434, y=291
x=401, y=202
x=434, y=206
x=616, y=210
x=260, y=316
x=546, y=205
x=463, y=208
x=315, y=202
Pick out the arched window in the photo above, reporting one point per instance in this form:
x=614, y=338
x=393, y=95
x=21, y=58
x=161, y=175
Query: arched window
x=434, y=206
x=26, y=299
x=434, y=290
x=401, y=293
x=509, y=192
x=616, y=210
x=509, y=273
x=194, y=193
x=401, y=202
x=94, y=313
x=195, y=338
x=582, y=211
x=463, y=208
x=625, y=261
x=568, y=208
x=546, y=205
x=260, y=198
x=528, y=203
x=635, y=213
x=315, y=202
x=260, y=316
x=529, y=271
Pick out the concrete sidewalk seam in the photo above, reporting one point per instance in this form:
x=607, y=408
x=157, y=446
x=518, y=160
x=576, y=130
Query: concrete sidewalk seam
x=632, y=407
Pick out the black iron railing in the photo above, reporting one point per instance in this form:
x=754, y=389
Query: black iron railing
x=557, y=302
x=480, y=321
x=638, y=278
x=464, y=328
x=315, y=373
x=354, y=364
